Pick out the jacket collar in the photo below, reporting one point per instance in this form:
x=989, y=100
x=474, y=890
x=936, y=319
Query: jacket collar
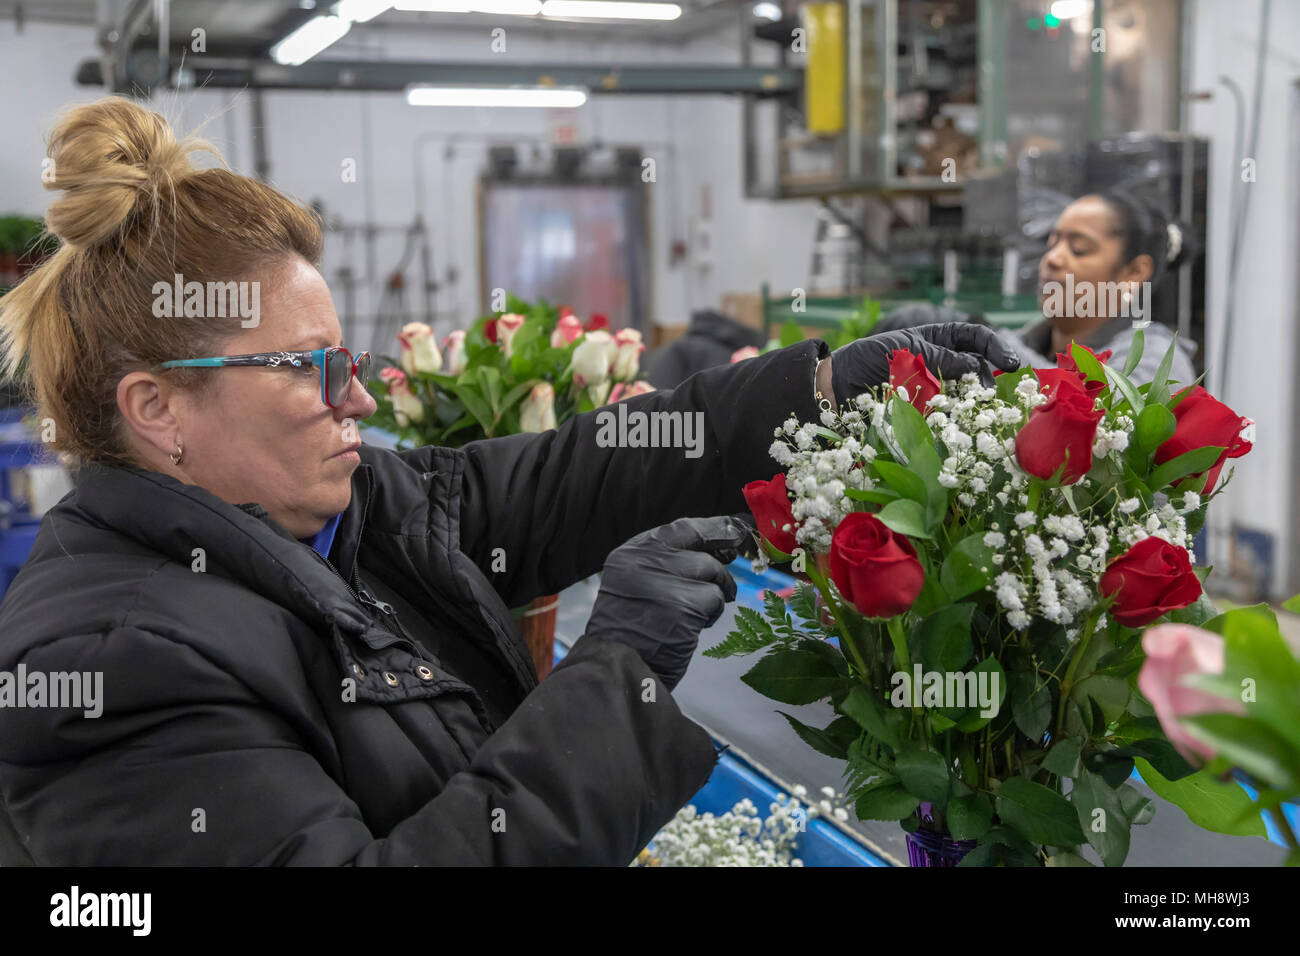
x=242, y=542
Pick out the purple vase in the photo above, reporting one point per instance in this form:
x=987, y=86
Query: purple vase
x=927, y=848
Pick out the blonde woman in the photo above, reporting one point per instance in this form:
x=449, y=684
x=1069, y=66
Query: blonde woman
x=303, y=642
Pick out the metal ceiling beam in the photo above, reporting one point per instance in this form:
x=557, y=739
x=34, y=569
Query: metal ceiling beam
x=396, y=75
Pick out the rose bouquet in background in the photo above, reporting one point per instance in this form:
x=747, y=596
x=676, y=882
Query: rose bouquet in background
x=525, y=370
x=979, y=563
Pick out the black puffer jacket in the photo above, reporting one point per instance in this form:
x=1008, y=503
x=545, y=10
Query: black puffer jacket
x=225, y=736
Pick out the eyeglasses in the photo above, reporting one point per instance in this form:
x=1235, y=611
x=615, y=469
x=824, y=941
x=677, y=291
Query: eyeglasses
x=336, y=364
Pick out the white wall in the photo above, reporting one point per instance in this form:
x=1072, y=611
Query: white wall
x=1262, y=377
x=696, y=143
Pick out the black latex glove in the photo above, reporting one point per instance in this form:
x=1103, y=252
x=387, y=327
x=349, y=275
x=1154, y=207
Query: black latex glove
x=950, y=350
x=661, y=588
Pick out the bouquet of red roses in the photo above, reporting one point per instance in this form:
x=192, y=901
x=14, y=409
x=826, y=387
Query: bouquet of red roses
x=979, y=562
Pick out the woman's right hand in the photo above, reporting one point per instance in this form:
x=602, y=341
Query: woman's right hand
x=664, y=586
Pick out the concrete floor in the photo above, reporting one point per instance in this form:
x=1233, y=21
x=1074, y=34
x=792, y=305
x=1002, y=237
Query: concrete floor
x=713, y=695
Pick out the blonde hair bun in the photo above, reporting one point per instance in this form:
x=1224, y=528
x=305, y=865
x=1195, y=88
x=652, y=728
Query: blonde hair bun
x=112, y=158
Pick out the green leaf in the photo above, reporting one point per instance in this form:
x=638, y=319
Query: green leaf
x=1252, y=745
x=888, y=801
x=1110, y=693
x=944, y=638
x=924, y=774
x=1159, y=391
x=1111, y=765
x=1189, y=463
x=793, y=676
x=969, y=817
x=1135, y=352
x=1161, y=754
x=1087, y=363
x=906, y=482
x=869, y=714
x=875, y=496
x=968, y=567
x=818, y=740
x=1207, y=802
x=1107, y=830
x=1038, y=814
x=1138, y=807
x=906, y=517
x=914, y=439
x=752, y=633
x=1063, y=758
x=1126, y=388
x=1031, y=705
x=973, y=720
x=1292, y=604
x=1154, y=427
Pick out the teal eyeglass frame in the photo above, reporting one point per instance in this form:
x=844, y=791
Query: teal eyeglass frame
x=323, y=359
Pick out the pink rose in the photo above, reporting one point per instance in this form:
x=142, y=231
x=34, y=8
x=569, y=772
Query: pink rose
x=1173, y=651
x=592, y=359
x=627, y=358
x=419, y=349
x=630, y=390
x=407, y=407
x=507, y=326
x=748, y=352
x=567, y=330
x=538, y=412
x=454, y=352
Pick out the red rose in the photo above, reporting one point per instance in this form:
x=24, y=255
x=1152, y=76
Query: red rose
x=1203, y=421
x=1149, y=579
x=1060, y=431
x=770, y=504
x=490, y=330
x=597, y=321
x=1047, y=377
x=875, y=568
x=908, y=371
x=1065, y=360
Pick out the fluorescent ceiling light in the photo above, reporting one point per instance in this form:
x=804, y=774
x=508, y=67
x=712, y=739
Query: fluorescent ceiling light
x=767, y=11
x=360, y=11
x=538, y=97
x=519, y=8
x=309, y=39
x=611, y=10
x=433, y=6
x=1067, y=9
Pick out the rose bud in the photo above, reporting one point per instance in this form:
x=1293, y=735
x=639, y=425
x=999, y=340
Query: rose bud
x=630, y=390
x=407, y=408
x=490, y=330
x=1047, y=377
x=419, y=349
x=908, y=371
x=1150, y=579
x=1203, y=420
x=567, y=330
x=748, y=352
x=876, y=569
x=626, y=360
x=1174, y=651
x=769, y=502
x=1065, y=360
x=538, y=412
x=592, y=359
x=507, y=326
x=454, y=351
x=1060, y=431
x=597, y=323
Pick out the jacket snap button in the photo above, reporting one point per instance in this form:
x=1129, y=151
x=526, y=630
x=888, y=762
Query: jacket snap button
x=391, y=678
x=356, y=669
x=424, y=673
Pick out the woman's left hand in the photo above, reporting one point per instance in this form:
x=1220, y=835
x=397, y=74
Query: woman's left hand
x=949, y=350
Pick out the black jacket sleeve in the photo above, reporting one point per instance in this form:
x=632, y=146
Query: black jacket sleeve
x=187, y=766
x=558, y=502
